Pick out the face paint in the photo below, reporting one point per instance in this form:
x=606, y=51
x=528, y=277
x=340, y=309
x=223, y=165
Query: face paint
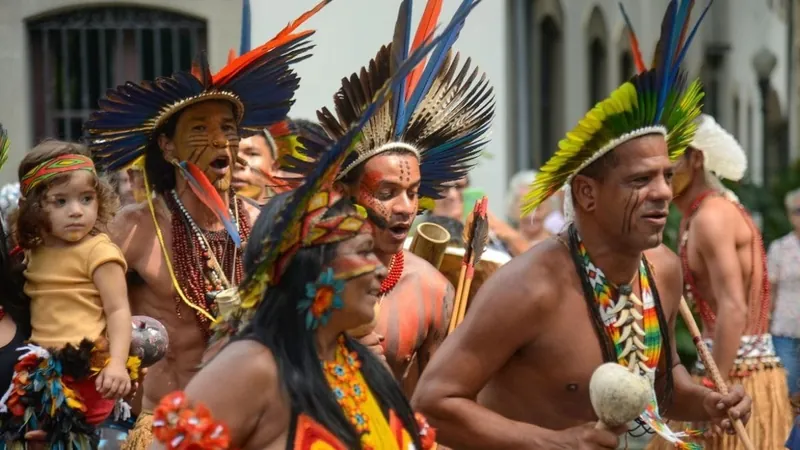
x=367, y=197
x=352, y=265
x=207, y=135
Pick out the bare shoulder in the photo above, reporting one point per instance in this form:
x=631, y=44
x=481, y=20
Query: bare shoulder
x=668, y=272
x=252, y=211
x=133, y=225
x=422, y=271
x=254, y=363
x=715, y=214
x=532, y=281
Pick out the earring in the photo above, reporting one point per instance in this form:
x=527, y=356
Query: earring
x=322, y=297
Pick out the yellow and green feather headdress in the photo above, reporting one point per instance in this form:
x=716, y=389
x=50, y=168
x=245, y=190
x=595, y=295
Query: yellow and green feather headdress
x=659, y=100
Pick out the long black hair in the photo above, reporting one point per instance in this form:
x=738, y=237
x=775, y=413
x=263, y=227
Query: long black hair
x=13, y=299
x=279, y=326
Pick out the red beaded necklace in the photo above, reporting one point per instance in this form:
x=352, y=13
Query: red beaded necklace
x=758, y=310
x=395, y=272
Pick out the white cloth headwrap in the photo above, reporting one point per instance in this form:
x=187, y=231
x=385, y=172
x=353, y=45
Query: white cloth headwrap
x=722, y=154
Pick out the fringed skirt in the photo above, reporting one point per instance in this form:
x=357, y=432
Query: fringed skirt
x=53, y=391
x=764, y=380
x=141, y=436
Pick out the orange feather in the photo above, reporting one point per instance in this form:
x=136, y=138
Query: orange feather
x=424, y=31
x=284, y=36
x=207, y=193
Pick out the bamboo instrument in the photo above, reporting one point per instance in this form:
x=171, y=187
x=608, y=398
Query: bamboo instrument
x=711, y=367
x=429, y=243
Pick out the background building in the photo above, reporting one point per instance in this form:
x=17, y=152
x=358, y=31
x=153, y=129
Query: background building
x=549, y=60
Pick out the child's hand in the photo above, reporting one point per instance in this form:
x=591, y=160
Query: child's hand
x=113, y=381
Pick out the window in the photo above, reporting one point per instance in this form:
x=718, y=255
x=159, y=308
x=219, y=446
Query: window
x=626, y=68
x=536, y=52
x=598, y=55
x=77, y=55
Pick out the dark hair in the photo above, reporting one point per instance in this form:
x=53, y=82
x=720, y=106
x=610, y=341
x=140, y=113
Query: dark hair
x=160, y=173
x=453, y=226
x=13, y=300
x=29, y=221
x=599, y=168
x=280, y=327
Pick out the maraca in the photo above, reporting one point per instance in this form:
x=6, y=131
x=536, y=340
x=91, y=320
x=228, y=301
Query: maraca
x=149, y=340
x=618, y=395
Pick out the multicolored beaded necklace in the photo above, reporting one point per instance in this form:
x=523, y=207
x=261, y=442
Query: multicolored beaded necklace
x=637, y=347
x=350, y=393
x=200, y=257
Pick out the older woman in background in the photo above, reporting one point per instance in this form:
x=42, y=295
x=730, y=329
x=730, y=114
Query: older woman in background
x=783, y=261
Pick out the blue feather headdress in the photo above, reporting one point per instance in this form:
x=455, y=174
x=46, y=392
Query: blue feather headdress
x=259, y=84
x=302, y=220
x=442, y=112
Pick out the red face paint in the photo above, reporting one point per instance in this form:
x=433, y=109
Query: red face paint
x=347, y=266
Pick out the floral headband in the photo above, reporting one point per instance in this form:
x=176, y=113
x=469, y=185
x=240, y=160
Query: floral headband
x=54, y=167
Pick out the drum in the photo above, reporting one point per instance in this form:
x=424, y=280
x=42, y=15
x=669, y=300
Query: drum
x=491, y=260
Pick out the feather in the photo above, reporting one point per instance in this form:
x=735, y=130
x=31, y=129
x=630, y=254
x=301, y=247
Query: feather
x=201, y=70
x=438, y=56
x=480, y=233
x=4, y=145
x=682, y=55
x=207, y=193
x=231, y=55
x=663, y=66
x=424, y=31
x=400, y=49
x=244, y=45
x=635, y=50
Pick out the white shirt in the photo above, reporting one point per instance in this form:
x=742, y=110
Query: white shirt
x=783, y=267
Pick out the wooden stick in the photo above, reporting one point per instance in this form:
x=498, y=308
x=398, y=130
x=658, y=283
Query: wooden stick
x=465, y=297
x=713, y=370
x=457, y=300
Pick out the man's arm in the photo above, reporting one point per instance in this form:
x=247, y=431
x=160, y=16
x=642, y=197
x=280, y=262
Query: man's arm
x=500, y=321
x=442, y=308
x=716, y=244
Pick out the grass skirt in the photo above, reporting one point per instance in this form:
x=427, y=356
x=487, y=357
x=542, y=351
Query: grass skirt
x=771, y=418
x=141, y=436
x=40, y=396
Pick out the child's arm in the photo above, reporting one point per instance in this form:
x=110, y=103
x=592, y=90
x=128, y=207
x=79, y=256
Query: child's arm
x=109, y=278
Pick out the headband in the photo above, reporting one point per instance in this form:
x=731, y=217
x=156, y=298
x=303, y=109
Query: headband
x=54, y=167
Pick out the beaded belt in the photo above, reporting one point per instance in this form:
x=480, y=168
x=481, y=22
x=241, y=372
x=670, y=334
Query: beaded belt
x=755, y=352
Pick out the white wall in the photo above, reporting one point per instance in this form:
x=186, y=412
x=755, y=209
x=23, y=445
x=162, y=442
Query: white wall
x=350, y=32
x=223, y=22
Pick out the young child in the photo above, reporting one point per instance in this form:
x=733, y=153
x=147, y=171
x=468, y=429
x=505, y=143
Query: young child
x=77, y=363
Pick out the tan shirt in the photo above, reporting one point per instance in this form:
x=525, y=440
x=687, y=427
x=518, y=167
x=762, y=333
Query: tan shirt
x=65, y=304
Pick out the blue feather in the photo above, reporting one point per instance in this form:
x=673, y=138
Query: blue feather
x=677, y=27
x=682, y=54
x=217, y=207
x=400, y=48
x=436, y=60
x=244, y=45
x=666, y=57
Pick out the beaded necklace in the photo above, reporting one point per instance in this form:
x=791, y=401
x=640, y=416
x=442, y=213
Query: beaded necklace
x=637, y=347
x=350, y=393
x=201, y=257
x=396, y=267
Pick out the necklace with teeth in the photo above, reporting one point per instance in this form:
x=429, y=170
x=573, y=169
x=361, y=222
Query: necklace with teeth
x=638, y=347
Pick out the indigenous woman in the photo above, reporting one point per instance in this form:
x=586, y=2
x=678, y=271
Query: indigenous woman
x=312, y=249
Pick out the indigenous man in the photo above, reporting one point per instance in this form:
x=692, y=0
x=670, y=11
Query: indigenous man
x=725, y=275
x=411, y=149
x=184, y=245
x=516, y=372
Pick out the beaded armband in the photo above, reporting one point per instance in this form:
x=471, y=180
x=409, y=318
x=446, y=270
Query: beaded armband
x=179, y=426
x=427, y=434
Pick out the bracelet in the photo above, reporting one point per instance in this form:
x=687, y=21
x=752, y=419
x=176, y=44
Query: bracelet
x=180, y=427
x=427, y=435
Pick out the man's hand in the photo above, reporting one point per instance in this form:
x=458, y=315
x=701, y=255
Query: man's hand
x=373, y=342
x=113, y=381
x=585, y=437
x=736, y=405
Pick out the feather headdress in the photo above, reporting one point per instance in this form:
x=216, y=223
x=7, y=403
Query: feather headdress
x=659, y=100
x=259, y=84
x=722, y=153
x=302, y=221
x=442, y=112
